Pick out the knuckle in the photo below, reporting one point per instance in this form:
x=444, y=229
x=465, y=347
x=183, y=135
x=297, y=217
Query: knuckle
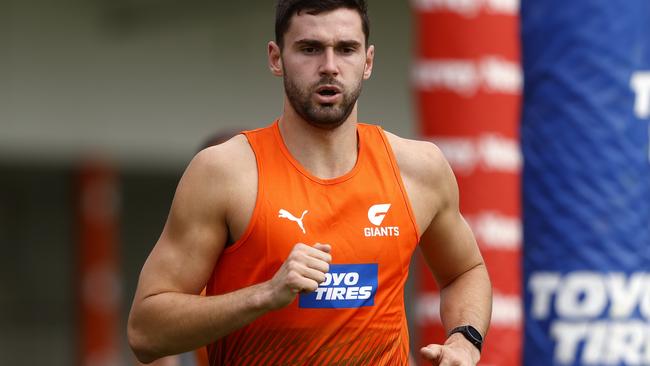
x=312, y=285
x=289, y=277
x=293, y=277
x=298, y=258
x=291, y=265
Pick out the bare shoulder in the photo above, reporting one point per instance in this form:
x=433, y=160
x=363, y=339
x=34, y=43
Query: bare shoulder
x=419, y=160
x=197, y=225
x=225, y=158
x=227, y=175
x=429, y=181
x=217, y=173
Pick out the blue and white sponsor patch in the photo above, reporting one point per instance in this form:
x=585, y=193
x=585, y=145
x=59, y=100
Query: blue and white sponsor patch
x=345, y=286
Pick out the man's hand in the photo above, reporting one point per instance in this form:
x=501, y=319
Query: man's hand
x=457, y=351
x=302, y=271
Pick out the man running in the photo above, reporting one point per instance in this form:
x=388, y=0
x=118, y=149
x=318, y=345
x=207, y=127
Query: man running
x=303, y=231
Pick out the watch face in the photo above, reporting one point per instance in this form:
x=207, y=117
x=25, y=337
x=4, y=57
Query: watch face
x=471, y=334
x=475, y=334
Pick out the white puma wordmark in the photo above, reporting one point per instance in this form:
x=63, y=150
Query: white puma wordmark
x=284, y=214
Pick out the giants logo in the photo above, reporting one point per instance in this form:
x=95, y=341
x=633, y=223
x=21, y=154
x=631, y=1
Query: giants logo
x=376, y=215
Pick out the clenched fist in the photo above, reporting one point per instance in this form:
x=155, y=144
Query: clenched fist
x=302, y=271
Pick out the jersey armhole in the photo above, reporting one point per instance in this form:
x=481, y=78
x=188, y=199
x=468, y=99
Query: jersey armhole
x=258, y=200
x=398, y=177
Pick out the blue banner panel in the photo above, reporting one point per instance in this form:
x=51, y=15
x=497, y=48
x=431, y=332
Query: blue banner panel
x=586, y=182
x=345, y=286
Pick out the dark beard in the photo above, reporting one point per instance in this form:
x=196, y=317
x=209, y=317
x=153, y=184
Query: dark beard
x=325, y=116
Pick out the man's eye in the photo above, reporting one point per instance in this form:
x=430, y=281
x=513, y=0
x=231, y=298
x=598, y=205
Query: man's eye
x=347, y=50
x=310, y=50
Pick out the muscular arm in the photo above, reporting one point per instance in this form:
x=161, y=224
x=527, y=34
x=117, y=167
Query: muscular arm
x=466, y=294
x=452, y=254
x=168, y=316
x=447, y=243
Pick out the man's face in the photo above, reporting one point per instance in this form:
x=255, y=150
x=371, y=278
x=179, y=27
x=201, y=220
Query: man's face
x=324, y=62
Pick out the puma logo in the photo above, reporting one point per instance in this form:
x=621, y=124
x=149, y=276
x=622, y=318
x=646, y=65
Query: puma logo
x=284, y=214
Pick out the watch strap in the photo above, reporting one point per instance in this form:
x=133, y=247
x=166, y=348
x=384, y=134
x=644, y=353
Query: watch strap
x=471, y=334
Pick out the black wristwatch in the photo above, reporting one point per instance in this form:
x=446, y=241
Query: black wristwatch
x=471, y=334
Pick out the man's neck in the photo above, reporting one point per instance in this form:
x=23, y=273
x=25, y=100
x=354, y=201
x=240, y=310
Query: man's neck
x=324, y=153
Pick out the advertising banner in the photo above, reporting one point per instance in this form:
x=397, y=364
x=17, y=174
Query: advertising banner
x=586, y=182
x=467, y=83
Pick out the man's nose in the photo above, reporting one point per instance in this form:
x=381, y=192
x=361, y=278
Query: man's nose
x=329, y=65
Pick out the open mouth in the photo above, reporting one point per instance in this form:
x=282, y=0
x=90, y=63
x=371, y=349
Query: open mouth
x=328, y=91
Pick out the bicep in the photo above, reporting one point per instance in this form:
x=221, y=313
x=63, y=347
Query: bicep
x=192, y=239
x=449, y=247
x=448, y=244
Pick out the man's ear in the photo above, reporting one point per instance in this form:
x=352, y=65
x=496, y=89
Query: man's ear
x=370, y=58
x=275, y=59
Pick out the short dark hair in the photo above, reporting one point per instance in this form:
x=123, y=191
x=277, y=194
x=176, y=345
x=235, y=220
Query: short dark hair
x=286, y=9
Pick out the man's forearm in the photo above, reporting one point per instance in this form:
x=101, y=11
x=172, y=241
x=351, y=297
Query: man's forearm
x=467, y=300
x=172, y=323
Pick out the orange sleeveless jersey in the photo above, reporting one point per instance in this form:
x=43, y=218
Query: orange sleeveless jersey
x=356, y=317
